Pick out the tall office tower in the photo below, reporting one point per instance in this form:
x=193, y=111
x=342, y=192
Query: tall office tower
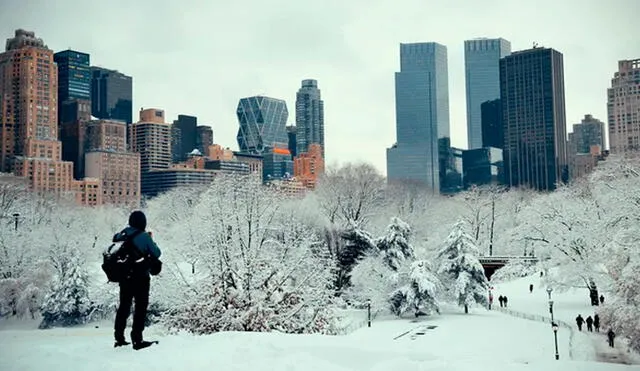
x=263, y=131
x=586, y=134
x=107, y=159
x=482, y=77
x=492, y=125
x=151, y=138
x=422, y=115
x=77, y=113
x=184, y=137
x=111, y=95
x=263, y=122
x=291, y=135
x=309, y=117
x=533, y=107
x=623, y=108
x=29, y=115
x=74, y=80
x=204, y=139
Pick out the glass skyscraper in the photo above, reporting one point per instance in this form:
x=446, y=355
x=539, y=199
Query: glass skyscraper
x=309, y=117
x=111, y=95
x=74, y=75
x=422, y=115
x=263, y=124
x=482, y=76
x=535, y=129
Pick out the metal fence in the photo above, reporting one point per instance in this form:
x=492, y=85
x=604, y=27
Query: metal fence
x=544, y=319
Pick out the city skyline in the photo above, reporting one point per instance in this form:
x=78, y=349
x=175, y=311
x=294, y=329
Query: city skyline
x=350, y=50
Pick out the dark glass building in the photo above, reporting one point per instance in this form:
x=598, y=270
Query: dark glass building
x=204, y=138
x=422, y=115
x=111, y=95
x=184, y=137
x=533, y=108
x=74, y=78
x=291, y=133
x=482, y=166
x=450, y=167
x=263, y=123
x=492, y=125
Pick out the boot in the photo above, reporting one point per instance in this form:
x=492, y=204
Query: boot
x=143, y=344
x=120, y=343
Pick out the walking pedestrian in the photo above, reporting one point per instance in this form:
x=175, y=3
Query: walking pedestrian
x=530, y=288
x=579, y=322
x=490, y=299
x=589, y=324
x=596, y=322
x=505, y=301
x=501, y=300
x=601, y=299
x=610, y=336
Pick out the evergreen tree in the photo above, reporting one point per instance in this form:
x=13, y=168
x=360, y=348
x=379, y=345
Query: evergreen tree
x=67, y=303
x=395, y=244
x=461, y=270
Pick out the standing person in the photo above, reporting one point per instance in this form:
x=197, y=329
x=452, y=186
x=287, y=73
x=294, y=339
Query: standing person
x=589, y=324
x=596, y=322
x=505, y=301
x=611, y=335
x=530, y=288
x=501, y=300
x=579, y=322
x=136, y=285
x=601, y=299
x=490, y=299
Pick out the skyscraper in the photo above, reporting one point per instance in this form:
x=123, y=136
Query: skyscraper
x=204, y=139
x=422, y=115
x=151, y=138
x=184, y=137
x=29, y=145
x=309, y=117
x=533, y=106
x=74, y=78
x=263, y=131
x=482, y=77
x=263, y=122
x=492, y=125
x=623, y=108
x=111, y=95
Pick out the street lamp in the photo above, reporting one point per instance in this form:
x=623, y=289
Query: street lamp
x=554, y=326
x=369, y=313
x=16, y=216
x=549, y=290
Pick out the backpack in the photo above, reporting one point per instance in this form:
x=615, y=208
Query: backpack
x=118, y=264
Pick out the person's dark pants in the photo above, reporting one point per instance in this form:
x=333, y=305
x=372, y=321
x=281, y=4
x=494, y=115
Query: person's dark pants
x=134, y=289
x=611, y=342
x=579, y=327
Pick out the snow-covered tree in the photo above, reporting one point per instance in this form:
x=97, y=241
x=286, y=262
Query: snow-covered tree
x=394, y=245
x=419, y=294
x=67, y=303
x=461, y=271
x=261, y=272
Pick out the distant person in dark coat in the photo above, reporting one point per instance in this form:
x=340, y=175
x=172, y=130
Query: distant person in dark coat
x=601, y=299
x=596, y=322
x=501, y=300
x=589, y=324
x=579, y=322
x=505, y=301
x=531, y=288
x=611, y=335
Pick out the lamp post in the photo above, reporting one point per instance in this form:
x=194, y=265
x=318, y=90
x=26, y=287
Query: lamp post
x=16, y=216
x=369, y=313
x=549, y=290
x=554, y=326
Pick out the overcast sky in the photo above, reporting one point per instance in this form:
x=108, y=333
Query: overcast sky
x=199, y=57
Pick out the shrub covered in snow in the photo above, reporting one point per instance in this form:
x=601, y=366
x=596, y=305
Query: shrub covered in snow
x=514, y=269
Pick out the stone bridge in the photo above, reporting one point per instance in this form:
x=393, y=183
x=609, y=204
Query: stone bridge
x=492, y=263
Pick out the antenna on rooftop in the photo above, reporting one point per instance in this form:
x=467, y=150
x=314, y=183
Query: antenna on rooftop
x=535, y=44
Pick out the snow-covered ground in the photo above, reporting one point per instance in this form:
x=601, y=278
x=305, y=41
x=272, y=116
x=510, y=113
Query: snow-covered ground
x=481, y=340
x=567, y=304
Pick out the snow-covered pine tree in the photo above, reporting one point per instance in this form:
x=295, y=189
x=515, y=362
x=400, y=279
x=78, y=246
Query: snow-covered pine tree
x=67, y=303
x=394, y=245
x=419, y=294
x=460, y=269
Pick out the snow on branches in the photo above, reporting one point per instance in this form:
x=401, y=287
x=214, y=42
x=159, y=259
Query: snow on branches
x=460, y=269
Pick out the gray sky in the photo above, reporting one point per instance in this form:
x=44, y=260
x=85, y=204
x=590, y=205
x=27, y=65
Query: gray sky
x=199, y=57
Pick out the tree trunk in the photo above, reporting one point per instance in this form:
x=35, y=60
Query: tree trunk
x=466, y=309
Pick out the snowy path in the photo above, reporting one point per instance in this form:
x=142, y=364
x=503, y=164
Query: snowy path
x=566, y=307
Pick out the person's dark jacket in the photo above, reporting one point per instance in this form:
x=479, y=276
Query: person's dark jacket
x=143, y=242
